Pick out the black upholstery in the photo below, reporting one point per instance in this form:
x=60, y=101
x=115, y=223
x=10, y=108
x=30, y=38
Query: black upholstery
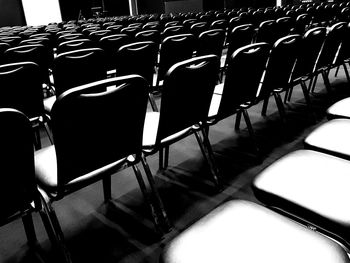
x=96, y=134
x=196, y=78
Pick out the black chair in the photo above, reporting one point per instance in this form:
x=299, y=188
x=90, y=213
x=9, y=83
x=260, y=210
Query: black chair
x=37, y=53
x=138, y=58
x=284, y=26
x=311, y=187
x=197, y=28
x=148, y=35
x=75, y=68
x=195, y=78
x=267, y=32
x=18, y=189
x=305, y=66
x=68, y=37
x=94, y=148
x=171, y=31
x=279, y=70
x=302, y=23
x=3, y=48
x=95, y=36
x=211, y=42
x=243, y=231
x=11, y=40
x=173, y=49
x=240, y=36
x=110, y=45
x=329, y=52
x=22, y=90
x=241, y=86
x=75, y=44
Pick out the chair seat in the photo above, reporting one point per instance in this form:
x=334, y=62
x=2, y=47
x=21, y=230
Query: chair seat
x=340, y=109
x=331, y=137
x=310, y=185
x=46, y=172
x=242, y=231
x=48, y=103
x=151, y=129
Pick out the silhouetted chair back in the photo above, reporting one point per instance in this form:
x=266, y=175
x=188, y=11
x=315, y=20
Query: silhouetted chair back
x=174, y=49
x=267, y=32
x=148, y=35
x=110, y=45
x=78, y=67
x=75, y=44
x=211, y=42
x=172, y=30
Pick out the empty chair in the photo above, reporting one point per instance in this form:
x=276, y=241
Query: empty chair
x=172, y=50
x=243, y=231
x=328, y=55
x=94, y=148
x=75, y=68
x=267, y=32
x=178, y=117
x=3, y=48
x=219, y=24
x=22, y=90
x=130, y=31
x=98, y=34
x=148, y=35
x=284, y=26
x=67, y=37
x=75, y=44
x=172, y=30
x=19, y=194
x=279, y=70
x=110, y=45
x=240, y=36
x=138, y=58
x=305, y=66
x=302, y=23
x=11, y=40
x=310, y=187
x=241, y=86
x=197, y=28
x=211, y=42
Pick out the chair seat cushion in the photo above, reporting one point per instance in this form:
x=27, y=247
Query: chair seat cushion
x=151, y=129
x=245, y=232
x=312, y=186
x=331, y=137
x=340, y=109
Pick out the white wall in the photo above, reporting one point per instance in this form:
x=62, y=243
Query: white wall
x=41, y=12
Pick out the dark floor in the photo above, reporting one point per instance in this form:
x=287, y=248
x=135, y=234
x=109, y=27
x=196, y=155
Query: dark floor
x=122, y=231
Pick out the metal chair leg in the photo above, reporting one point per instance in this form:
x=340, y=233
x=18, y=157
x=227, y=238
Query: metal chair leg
x=308, y=101
x=29, y=229
x=251, y=130
x=208, y=154
x=238, y=120
x=346, y=72
x=107, y=185
x=155, y=193
x=161, y=159
x=54, y=230
x=264, y=108
x=326, y=82
x=280, y=106
x=166, y=156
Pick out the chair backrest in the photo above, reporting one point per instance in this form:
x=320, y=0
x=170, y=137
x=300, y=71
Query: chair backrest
x=3, y=48
x=174, y=49
x=110, y=45
x=198, y=28
x=104, y=127
x=240, y=36
x=67, y=37
x=311, y=46
x=333, y=40
x=78, y=67
x=98, y=34
x=302, y=23
x=280, y=64
x=17, y=183
x=243, y=77
x=211, y=42
x=284, y=26
x=137, y=58
x=267, y=32
x=186, y=95
x=21, y=88
x=12, y=40
x=148, y=35
x=75, y=44
x=172, y=30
